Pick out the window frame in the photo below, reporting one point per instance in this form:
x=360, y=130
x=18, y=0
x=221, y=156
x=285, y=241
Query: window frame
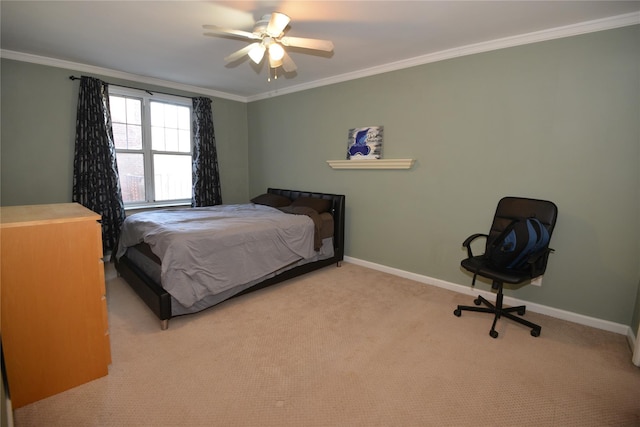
x=147, y=149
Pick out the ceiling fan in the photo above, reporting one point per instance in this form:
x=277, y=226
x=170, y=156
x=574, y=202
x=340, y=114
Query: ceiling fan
x=269, y=37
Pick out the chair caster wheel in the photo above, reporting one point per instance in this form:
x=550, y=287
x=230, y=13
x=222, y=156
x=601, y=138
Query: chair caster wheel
x=535, y=333
x=457, y=312
x=477, y=301
x=494, y=334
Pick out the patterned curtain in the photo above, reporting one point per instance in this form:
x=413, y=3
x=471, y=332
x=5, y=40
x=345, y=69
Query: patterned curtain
x=95, y=172
x=206, y=177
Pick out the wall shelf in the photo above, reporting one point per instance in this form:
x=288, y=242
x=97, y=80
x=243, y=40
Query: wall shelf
x=372, y=164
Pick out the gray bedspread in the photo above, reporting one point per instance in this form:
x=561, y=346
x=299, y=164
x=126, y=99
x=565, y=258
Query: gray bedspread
x=208, y=250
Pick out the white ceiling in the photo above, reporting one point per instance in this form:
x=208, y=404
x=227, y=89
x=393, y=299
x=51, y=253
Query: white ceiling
x=163, y=41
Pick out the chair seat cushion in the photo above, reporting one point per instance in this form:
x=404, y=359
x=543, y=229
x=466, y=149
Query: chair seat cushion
x=479, y=265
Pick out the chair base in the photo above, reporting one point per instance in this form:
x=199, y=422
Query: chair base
x=499, y=311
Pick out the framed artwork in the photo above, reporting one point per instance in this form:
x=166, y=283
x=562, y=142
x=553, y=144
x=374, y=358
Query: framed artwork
x=365, y=143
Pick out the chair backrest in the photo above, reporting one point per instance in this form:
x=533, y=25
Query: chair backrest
x=510, y=208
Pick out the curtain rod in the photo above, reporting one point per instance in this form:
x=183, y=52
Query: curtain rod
x=131, y=87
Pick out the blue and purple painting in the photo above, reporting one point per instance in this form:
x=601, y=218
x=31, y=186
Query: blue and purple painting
x=365, y=143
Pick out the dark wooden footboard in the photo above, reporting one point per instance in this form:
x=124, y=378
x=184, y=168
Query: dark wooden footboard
x=156, y=298
x=159, y=300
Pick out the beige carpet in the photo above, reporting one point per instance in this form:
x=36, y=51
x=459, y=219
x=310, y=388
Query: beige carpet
x=347, y=346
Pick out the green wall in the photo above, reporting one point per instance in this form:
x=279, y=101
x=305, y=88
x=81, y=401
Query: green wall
x=558, y=120
x=38, y=135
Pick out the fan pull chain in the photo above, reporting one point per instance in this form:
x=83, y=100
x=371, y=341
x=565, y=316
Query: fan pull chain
x=275, y=74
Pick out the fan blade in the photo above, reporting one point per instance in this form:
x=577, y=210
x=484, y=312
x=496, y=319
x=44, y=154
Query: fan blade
x=316, y=44
x=240, y=53
x=287, y=63
x=218, y=31
x=277, y=24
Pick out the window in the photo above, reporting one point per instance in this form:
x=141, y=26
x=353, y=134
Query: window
x=152, y=135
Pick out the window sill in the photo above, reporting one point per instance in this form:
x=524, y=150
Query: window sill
x=372, y=164
x=149, y=206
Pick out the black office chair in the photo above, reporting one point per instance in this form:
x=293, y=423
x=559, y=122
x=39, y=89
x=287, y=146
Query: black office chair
x=509, y=208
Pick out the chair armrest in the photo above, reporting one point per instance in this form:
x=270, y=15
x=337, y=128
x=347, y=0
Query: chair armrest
x=538, y=261
x=468, y=240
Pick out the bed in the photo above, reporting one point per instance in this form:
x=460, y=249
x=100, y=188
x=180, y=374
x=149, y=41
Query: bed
x=224, y=253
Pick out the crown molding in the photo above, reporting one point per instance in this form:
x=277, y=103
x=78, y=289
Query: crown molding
x=528, y=38
x=107, y=72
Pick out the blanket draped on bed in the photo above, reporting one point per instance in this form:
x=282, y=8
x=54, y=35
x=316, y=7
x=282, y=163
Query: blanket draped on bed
x=208, y=250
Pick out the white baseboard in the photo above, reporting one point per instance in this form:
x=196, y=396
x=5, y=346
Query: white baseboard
x=536, y=308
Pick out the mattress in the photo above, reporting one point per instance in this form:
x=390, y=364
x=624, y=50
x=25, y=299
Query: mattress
x=236, y=279
x=143, y=258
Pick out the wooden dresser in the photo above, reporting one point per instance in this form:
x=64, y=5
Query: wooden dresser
x=54, y=324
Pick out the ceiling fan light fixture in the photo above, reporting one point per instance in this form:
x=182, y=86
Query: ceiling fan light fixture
x=257, y=53
x=276, y=52
x=274, y=63
x=268, y=36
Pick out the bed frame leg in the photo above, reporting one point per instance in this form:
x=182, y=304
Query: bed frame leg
x=164, y=324
x=339, y=264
